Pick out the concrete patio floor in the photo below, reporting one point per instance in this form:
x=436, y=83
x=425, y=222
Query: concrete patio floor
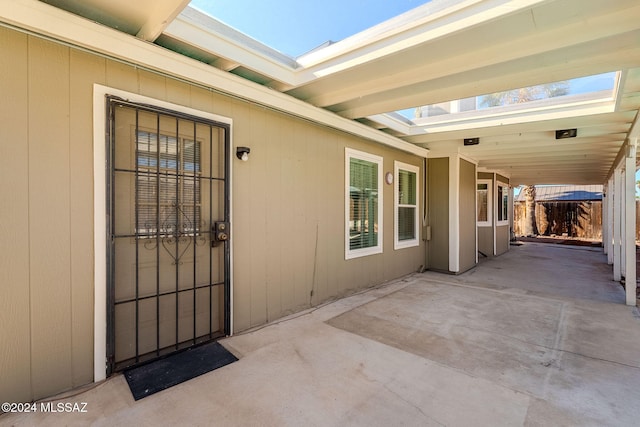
x=536, y=337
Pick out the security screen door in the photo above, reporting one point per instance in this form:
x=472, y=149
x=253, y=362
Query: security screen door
x=168, y=284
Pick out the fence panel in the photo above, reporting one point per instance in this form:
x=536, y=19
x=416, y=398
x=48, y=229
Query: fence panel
x=573, y=219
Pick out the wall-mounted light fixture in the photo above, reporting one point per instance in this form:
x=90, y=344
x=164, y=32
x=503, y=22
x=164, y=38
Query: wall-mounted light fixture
x=471, y=141
x=566, y=133
x=243, y=153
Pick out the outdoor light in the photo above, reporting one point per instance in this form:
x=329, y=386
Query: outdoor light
x=243, y=153
x=566, y=133
x=471, y=141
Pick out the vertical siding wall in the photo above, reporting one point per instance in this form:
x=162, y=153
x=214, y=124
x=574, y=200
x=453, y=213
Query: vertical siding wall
x=288, y=203
x=438, y=182
x=467, y=215
x=46, y=276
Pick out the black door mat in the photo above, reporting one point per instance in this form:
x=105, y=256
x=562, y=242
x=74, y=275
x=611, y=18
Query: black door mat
x=177, y=368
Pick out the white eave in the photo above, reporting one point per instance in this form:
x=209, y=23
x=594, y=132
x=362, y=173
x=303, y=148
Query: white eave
x=51, y=22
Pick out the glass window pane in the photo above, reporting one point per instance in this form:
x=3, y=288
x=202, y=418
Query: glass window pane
x=363, y=209
x=505, y=206
x=406, y=206
x=503, y=203
x=406, y=187
x=168, y=191
x=483, y=195
x=500, y=203
x=406, y=223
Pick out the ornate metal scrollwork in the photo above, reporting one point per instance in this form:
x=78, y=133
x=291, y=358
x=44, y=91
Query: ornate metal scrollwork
x=177, y=231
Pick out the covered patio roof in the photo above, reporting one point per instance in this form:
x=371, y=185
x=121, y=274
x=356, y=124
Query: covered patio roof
x=441, y=51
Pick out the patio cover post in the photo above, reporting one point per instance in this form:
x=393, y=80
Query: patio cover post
x=623, y=216
x=605, y=220
x=511, y=212
x=608, y=242
x=454, y=213
x=630, y=222
x=617, y=216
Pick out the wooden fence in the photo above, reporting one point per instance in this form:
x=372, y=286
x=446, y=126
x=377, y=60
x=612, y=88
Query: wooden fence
x=572, y=219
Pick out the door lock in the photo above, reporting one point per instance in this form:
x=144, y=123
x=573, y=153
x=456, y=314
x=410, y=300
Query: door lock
x=219, y=232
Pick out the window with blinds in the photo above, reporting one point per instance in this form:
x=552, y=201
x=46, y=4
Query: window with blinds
x=483, y=208
x=406, y=206
x=363, y=204
x=168, y=199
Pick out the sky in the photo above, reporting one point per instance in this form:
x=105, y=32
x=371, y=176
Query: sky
x=294, y=27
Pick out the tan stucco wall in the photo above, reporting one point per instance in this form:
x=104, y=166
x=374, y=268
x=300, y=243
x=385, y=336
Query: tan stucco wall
x=288, y=203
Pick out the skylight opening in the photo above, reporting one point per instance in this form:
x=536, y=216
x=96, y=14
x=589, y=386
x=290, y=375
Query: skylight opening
x=294, y=27
x=582, y=89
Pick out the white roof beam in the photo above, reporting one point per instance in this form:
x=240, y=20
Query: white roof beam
x=225, y=64
x=483, y=44
x=212, y=36
x=557, y=65
x=611, y=122
x=160, y=16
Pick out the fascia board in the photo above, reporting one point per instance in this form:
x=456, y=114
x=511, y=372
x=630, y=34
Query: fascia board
x=43, y=19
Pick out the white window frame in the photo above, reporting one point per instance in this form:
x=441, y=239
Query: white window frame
x=361, y=155
x=401, y=244
x=489, y=221
x=505, y=191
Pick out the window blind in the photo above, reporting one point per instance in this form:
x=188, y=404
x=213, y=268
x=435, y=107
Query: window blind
x=363, y=215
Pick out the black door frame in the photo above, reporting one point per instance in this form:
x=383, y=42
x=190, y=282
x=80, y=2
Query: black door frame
x=111, y=103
